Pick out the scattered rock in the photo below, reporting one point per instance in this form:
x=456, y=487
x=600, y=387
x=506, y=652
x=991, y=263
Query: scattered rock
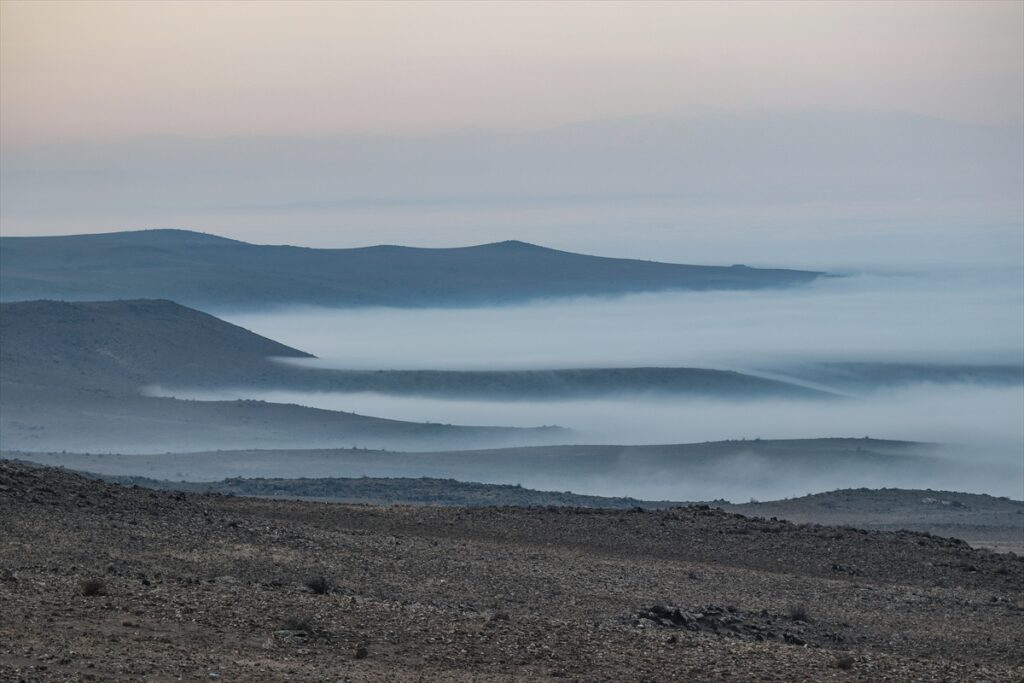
x=731, y=622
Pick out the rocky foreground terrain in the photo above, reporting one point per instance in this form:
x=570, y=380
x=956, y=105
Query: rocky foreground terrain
x=980, y=520
x=103, y=582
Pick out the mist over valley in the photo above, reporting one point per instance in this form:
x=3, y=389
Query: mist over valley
x=924, y=357
x=495, y=342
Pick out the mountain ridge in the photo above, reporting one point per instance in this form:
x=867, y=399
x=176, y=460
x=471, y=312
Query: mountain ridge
x=214, y=273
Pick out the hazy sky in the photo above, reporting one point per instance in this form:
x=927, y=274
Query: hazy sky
x=813, y=134
x=82, y=71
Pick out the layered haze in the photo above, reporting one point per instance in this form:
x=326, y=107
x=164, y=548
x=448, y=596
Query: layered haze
x=918, y=356
x=940, y=316
x=811, y=189
x=863, y=161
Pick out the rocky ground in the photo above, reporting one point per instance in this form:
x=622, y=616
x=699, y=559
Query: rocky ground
x=101, y=582
x=981, y=520
x=392, y=491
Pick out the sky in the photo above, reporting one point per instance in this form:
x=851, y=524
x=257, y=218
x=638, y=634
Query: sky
x=83, y=70
x=125, y=115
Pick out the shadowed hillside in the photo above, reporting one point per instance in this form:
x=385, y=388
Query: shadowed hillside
x=71, y=377
x=124, y=344
x=216, y=273
x=129, y=345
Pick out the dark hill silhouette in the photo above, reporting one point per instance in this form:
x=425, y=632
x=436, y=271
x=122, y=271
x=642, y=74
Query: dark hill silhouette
x=212, y=272
x=129, y=345
x=71, y=376
x=124, y=344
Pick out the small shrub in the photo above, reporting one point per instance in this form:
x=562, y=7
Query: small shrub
x=298, y=622
x=92, y=587
x=319, y=585
x=799, y=613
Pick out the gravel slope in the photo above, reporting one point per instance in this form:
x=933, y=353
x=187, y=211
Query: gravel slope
x=211, y=587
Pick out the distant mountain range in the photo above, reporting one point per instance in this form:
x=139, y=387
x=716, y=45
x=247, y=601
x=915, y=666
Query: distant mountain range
x=215, y=273
x=613, y=171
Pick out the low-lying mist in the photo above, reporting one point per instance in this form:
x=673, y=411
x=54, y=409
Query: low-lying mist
x=953, y=317
x=953, y=414
x=980, y=425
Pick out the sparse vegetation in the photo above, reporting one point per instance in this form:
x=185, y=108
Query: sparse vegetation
x=298, y=622
x=798, y=612
x=319, y=584
x=460, y=593
x=845, y=662
x=92, y=587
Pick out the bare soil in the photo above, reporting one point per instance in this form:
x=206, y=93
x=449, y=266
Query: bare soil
x=210, y=587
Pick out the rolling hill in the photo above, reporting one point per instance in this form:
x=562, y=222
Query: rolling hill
x=71, y=376
x=730, y=470
x=981, y=520
x=215, y=273
x=129, y=345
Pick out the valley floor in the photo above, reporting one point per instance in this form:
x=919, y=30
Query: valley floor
x=210, y=587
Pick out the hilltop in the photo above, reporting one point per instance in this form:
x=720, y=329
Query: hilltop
x=977, y=518
x=212, y=272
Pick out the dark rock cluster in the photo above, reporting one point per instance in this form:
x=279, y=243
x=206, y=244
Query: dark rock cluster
x=735, y=623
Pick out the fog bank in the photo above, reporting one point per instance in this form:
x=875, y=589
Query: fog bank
x=944, y=317
x=985, y=418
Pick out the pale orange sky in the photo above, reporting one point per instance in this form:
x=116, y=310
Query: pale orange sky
x=87, y=71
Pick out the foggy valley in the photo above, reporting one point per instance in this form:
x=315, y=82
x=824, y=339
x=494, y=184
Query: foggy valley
x=504, y=341
x=918, y=357
x=927, y=357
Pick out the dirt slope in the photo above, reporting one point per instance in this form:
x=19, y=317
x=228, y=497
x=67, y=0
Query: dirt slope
x=214, y=588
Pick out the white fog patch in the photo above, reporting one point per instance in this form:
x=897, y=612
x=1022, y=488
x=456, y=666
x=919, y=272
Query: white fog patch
x=953, y=317
x=963, y=317
x=986, y=419
x=980, y=426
